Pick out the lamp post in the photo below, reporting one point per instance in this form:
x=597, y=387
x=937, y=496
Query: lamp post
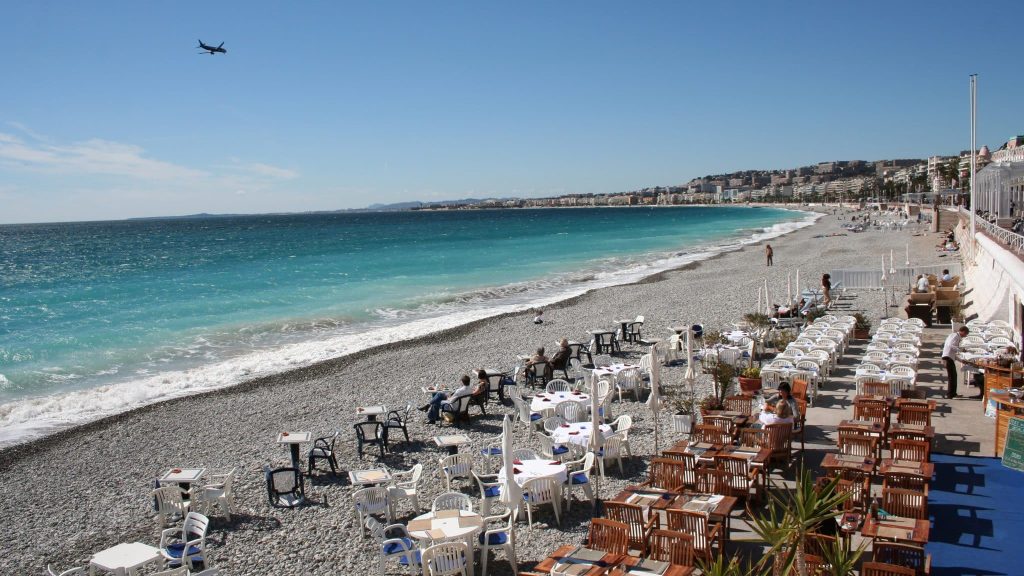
x=974, y=151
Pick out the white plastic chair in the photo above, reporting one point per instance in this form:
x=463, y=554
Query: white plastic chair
x=452, y=501
x=907, y=347
x=216, y=494
x=179, y=571
x=528, y=418
x=611, y=450
x=550, y=450
x=169, y=504
x=372, y=500
x=393, y=542
x=552, y=423
x=524, y=454
x=571, y=411
x=490, y=491
x=456, y=466
x=405, y=486
x=557, y=385
x=873, y=356
x=543, y=490
x=445, y=559
x=579, y=476
x=628, y=380
x=500, y=537
x=621, y=426
x=1002, y=341
x=186, y=545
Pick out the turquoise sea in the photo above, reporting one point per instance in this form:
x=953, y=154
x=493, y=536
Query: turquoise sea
x=100, y=317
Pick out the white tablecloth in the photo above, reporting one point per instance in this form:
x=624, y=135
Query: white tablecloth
x=577, y=433
x=537, y=469
x=613, y=369
x=547, y=400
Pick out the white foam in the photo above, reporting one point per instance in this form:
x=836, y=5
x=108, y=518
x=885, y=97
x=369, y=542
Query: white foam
x=30, y=418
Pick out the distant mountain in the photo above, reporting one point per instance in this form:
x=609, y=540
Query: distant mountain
x=414, y=205
x=395, y=206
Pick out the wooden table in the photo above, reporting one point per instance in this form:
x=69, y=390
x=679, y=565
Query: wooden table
x=654, y=498
x=1006, y=408
x=923, y=469
x=835, y=461
x=897, y=529
x=699, y=449
x=895, y=402
x=602, y=562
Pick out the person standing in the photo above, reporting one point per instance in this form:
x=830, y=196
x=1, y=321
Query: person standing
x=826, y=290
x=768, y=253
x=950, y=348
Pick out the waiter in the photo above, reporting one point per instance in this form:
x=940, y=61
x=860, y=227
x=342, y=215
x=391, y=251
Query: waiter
x=949, y=351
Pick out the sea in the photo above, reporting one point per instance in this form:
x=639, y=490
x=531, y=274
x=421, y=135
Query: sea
x=97, y=318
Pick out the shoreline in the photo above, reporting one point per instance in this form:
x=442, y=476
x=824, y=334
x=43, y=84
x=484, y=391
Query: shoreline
x=104, y=497
x=26, y=433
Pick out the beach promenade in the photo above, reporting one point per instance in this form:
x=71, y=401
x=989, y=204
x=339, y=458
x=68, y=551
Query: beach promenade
x=87, y=489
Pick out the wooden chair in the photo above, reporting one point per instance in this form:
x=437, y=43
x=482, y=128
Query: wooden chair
x=816, y=543
x=907, y=434
x=671, y=546
x=711, y=434
x=778, y=439
x=667, y=474
x=608, y=536
x=914, y=413
x=741, y=479
x=632, y=515
x=742, y=404
x=874, y=411
x=689, y=467
x=879, y=569
x=875, y=388
x=800, y=421
x=905, y=503
x=910, y=450
x=858, y=484
x=816, y=565
x=798, y=389
x=706, y=536
x=724, y=422
x=858, y=445
x=752, y=437
x=712, y=481
x=906, y=555
x=905, y=481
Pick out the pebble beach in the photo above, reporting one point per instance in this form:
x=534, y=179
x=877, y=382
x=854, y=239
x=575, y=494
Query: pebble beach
x=88, y=488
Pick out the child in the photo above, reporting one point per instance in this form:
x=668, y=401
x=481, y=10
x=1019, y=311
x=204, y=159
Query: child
x=539, y=318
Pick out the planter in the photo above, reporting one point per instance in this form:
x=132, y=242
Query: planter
x=682, y=423
x=749, y=386
x=861, y=333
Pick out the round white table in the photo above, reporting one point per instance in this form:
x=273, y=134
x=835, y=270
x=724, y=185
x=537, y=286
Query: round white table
x=613, y=369
x=548, y=400
x=527, y=469
x=577, y=433
x=445, y=525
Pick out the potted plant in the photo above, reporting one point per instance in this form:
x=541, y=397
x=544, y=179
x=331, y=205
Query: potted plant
x=861, y=326
x=750, y=380
x=756, y=320
x=956, y=315
x=722, y=377
x=684, y=405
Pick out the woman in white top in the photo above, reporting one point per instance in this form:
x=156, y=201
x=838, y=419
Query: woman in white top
x=922, y=283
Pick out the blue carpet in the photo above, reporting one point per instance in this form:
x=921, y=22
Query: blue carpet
x=977, y=511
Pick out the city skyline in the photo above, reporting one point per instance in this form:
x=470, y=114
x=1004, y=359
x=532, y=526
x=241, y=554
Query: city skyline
x=325, y=107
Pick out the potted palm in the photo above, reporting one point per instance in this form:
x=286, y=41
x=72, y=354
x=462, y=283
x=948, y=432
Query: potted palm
x=685, y=406
x=722, y=376
x=956, y=315
x=861, y=326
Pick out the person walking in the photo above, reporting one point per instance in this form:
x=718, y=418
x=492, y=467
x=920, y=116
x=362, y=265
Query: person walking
x=768, y=253
x=950, y=348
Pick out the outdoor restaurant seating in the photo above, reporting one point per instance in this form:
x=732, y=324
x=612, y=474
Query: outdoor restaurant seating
x=542, y=490
x=323, y=449
x=399, y=420
x=711, y=434
x=446, y=559
x=501, y=536
x=632, y=516
x=608, y=536
x=452, y=501
x=405, y=486
x=610, y=450
x=906, y=555
x=218, y=493
x=286, y=487
x=372, y=500
x=170, y=504
x=557, y=385
x=707, y=537
x=880, y=569
x=905, y=503
x=622, y=426
x=371, y=433
x=579, y=475
x=393, y=541
x=524, y=415
x=550, y=450
x=667, y=474
x=741, y=478
x=186, y=546
x=671, y=546
x=914, y=413
x=455, y=466
x=911, y=450
x=538, y=374
x=490, y=490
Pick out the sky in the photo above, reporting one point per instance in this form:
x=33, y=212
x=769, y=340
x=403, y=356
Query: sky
x=108, y=111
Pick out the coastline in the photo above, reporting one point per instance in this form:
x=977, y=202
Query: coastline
x=49, y=415
x=105, y=500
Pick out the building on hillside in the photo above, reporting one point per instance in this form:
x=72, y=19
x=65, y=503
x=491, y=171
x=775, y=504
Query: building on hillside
x=1000, y=184
x=1012, y=151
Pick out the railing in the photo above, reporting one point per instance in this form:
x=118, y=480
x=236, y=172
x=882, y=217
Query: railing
x=1011, y=240
x=876, y=279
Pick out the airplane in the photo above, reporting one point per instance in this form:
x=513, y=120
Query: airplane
x=211, y=50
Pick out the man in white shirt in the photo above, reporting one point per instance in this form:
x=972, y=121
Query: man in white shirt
x=950, y=348
x=441, y=398
x=922, y=283
x=945, y=276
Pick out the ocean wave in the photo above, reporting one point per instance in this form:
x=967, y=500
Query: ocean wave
x=228, y=365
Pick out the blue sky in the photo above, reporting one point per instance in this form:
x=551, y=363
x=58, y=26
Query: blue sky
x=107, y=110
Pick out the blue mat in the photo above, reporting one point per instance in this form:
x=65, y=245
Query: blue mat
x=977, y=510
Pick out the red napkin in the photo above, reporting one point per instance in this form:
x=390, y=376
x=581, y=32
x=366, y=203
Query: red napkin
x=565, y=426
x=517, y=462
x=176, y=471
x=516, y=470
x=554, y=462
x=573, y=433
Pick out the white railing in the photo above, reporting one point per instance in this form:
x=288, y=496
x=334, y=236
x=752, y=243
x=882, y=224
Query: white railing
x=876, y=279
x=1013, y=241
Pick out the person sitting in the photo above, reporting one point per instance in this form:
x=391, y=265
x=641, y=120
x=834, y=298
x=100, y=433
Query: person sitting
x=922, y=284
x=538, y=357
x=785, y=408
x=561, y=358
x=439, y=399
x=946, y=277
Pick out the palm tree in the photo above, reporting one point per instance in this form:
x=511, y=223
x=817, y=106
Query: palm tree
x=790, y=518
